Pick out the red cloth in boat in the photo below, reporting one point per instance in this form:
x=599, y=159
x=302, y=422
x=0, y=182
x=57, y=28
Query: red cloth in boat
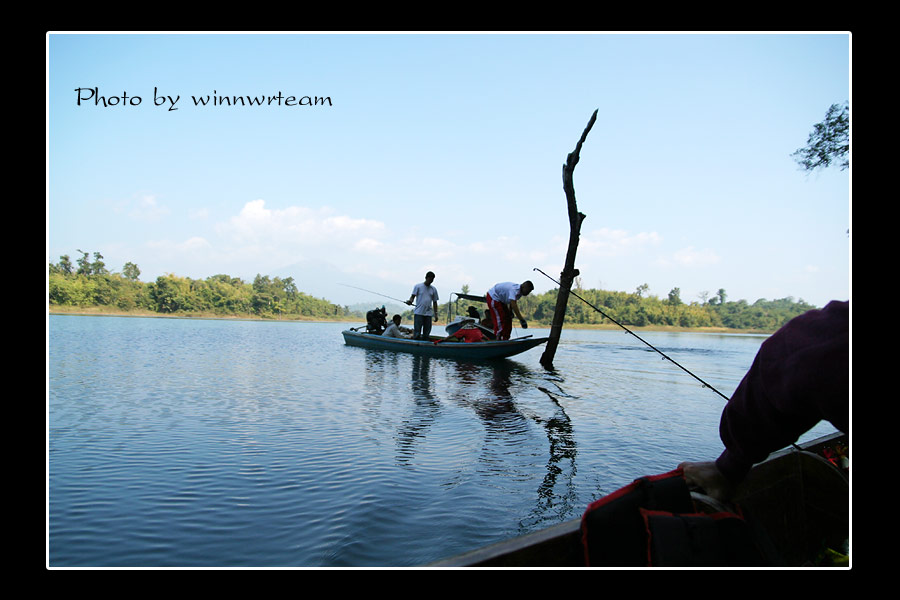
x=469, y=335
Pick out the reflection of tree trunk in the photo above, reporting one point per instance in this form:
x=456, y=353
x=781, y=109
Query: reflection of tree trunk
x=561, y=462
x=569, y=271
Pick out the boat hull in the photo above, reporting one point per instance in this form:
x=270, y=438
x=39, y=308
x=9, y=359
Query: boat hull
x=457, y=350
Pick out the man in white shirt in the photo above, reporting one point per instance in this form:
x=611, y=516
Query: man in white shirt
x=395, y=330
x=503, y=299
x=426, y=311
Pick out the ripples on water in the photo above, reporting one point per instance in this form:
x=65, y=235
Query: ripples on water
x=242, y=443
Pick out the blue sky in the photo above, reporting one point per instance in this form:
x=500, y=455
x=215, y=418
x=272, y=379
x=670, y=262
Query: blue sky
x=444, y=152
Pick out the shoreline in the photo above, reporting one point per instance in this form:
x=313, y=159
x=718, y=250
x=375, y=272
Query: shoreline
x=97, y=312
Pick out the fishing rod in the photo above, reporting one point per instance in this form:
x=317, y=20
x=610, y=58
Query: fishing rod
x=376, y=293
x=651, y=346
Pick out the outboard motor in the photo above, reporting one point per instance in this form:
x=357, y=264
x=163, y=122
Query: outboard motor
x=376, y=321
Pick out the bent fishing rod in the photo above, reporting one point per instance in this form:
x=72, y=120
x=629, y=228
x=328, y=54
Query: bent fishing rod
x=651, y=346
x=376, y=293
x=407, y=302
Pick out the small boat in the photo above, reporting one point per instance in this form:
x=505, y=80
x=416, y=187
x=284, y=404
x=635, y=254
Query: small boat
x=458, y=350
x=441, y=347
x=798, y=502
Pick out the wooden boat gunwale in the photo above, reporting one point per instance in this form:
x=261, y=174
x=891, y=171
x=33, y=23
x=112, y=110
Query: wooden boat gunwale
x=560, y=545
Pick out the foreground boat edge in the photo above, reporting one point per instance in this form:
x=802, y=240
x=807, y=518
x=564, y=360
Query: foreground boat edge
x=560, y=545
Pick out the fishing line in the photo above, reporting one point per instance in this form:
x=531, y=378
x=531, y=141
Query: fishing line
x=651, y=346
x=371, y=292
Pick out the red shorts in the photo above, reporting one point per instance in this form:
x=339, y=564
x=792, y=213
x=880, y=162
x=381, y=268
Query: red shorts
x=501, y=317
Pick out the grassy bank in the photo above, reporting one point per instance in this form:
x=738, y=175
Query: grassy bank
x=103, y=311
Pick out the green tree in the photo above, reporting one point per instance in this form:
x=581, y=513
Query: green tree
x=828, y=142
x=290, y=288
x=98, y=267
x=84, y=265
x=171, y=294
x=131, y=271
x=65, y=265
x=675, y=296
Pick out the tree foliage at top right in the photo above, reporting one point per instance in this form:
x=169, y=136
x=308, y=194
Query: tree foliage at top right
x=828, y=142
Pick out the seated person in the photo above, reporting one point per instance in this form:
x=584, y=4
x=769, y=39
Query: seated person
x=468, y=333
x=487, y=326
x=486, y=321
x=395, y=330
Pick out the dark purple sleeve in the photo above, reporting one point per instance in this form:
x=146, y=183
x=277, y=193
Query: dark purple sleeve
x=800, y=376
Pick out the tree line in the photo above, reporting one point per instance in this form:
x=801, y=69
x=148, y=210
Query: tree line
x=637, y=310
x=88, y=283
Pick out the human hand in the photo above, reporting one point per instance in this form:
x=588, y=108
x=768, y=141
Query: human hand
x=707, y=477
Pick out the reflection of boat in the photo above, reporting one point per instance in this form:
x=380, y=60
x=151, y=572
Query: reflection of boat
x=460, y=350
x=796, y=498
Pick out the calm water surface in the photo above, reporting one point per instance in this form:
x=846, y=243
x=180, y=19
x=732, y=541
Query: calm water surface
x=200, y=443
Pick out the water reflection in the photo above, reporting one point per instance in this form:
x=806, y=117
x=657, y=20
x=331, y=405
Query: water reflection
x=426, y=410
x=508, y=403
x=553, y=503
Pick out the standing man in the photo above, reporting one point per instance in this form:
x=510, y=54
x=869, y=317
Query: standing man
x=503, y=298
x=426, y=311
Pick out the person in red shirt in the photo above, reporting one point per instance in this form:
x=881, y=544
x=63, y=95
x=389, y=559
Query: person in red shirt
x=468, y=333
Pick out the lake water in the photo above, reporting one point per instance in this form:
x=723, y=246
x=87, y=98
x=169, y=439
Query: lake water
x=206, y=443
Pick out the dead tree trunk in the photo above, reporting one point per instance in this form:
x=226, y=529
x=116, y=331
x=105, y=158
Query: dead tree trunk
x=569, y=271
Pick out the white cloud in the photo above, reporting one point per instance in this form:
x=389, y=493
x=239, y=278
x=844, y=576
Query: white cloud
x=189, y=246
x=346, y=224
x=438, y=249
x=691, y=257
x=144, y=208
x=369, y=245
x=293, y=226
x=259, y=239
x=616, y=242
x=194, y=243
x=170, y=246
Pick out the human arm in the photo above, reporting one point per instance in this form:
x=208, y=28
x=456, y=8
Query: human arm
x=799, y=376
x=515, y=308
x=453, y=337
